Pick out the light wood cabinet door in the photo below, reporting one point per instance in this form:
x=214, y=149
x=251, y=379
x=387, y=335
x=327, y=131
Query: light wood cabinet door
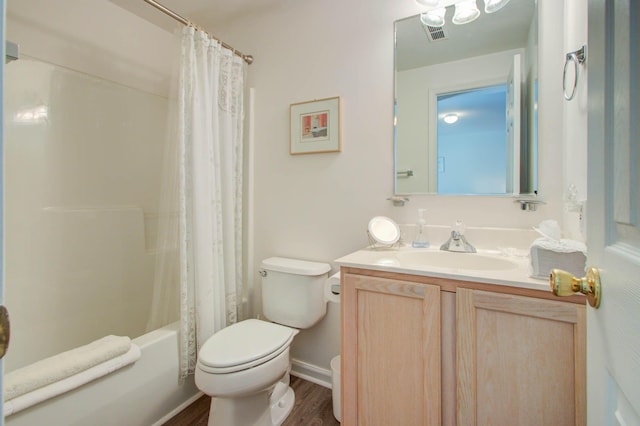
x=391, y=352
x=520, y=360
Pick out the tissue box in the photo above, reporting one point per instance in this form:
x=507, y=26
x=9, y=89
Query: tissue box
x=543, y=261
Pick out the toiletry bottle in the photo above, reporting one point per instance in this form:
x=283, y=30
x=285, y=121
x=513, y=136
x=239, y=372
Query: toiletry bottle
x=420, y=241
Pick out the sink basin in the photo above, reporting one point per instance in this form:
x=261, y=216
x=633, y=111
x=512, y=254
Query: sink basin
x=453, y=260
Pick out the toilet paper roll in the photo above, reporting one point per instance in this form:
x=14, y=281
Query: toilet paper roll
x=332, y=288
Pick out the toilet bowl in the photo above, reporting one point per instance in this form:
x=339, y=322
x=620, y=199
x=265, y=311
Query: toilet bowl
x=240, y=366
x=245, y=367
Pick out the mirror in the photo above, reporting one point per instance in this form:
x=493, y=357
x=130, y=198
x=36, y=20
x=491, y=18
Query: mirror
x=465, y=112
x=383, y=230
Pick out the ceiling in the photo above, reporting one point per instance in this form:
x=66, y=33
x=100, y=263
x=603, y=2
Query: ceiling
x=505, y=29
x=208, y=14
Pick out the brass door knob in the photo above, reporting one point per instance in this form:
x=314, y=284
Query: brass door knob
x=564, y=283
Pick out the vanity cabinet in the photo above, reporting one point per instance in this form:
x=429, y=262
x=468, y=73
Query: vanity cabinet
x=521, y=360
x=418, y=350
x=390, y=352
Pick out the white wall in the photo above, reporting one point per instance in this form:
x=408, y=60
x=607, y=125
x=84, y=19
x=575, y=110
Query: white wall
x=575, y=112
x=317, y=206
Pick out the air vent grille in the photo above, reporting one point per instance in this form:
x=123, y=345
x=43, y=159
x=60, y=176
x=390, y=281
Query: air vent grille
x=435, y=33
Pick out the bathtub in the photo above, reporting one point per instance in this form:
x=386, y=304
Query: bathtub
x=145, y=393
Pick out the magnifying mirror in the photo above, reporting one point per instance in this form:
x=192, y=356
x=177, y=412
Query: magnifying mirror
x=383, y=230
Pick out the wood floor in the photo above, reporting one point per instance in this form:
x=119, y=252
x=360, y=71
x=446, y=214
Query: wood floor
x=313, y=407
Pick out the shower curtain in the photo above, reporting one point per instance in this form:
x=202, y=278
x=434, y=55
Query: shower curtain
x=200, y=222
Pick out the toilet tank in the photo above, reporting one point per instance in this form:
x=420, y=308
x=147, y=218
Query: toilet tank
x=293, y=291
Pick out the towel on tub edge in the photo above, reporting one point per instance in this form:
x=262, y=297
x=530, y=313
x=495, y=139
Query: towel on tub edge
x=69, y=383
x=62, y=365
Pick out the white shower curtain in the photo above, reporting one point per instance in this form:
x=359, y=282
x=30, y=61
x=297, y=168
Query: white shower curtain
x=200, y=231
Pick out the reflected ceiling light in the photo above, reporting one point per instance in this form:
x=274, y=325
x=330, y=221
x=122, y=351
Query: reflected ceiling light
x=429, y=3
x=491, y=6
x=37, y=114
x=466, y=11
x=450, y=118
x=434, y=18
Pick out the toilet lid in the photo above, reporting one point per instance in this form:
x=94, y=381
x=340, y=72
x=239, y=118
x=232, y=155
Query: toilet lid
x=244, y=345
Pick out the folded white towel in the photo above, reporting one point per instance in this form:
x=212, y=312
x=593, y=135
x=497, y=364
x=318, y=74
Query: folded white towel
x=54, y=389
x=63, y=365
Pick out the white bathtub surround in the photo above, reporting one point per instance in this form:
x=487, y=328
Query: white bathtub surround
x=207, y=162
x=82, y=189
x=85, y=189
x=53, y=389
x=63, y=365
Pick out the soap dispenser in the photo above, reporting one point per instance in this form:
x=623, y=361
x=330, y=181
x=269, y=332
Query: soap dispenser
x=420, y=240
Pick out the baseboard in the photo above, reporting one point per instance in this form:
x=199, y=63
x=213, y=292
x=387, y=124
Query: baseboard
x=312, y=373
x=171, y=414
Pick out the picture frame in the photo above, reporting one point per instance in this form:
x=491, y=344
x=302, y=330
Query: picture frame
x=315, y=127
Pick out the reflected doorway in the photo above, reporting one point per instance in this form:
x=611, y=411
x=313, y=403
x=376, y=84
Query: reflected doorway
x=473, y=123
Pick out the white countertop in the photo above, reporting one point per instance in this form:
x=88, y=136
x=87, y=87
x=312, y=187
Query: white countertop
x=392, y=260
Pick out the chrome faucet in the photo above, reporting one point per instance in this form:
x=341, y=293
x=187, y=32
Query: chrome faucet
x=457, y=241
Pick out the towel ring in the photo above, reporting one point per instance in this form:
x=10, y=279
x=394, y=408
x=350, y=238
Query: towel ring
x=577, y=58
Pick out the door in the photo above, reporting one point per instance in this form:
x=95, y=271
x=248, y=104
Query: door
x=613, y=215
x=2, y=43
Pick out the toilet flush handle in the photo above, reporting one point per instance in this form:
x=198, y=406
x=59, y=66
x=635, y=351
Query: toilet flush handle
x=262, y=272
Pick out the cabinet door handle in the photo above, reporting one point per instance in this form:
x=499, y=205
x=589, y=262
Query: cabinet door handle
x=564, y=283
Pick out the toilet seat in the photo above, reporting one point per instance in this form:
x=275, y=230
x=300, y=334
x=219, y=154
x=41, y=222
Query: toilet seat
x=244, y=345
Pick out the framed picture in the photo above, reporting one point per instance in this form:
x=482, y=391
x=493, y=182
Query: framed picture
x=315, y=126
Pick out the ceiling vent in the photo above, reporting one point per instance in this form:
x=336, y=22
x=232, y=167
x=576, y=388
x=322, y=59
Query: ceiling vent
x=434, y=33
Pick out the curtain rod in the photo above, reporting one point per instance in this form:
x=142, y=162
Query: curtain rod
x=247, y=58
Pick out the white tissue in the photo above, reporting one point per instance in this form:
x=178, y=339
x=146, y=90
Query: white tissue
x=332, y=288
x=561, y=245
x=550, y=231
x=551, y=252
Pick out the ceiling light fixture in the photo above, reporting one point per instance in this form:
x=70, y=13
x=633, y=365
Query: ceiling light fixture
x=450, y=118
x=466, y=11
x=491, y=6
x=434, y=18
x=429, y=3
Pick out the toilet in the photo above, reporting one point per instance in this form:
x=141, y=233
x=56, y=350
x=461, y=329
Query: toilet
x=245, y=367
